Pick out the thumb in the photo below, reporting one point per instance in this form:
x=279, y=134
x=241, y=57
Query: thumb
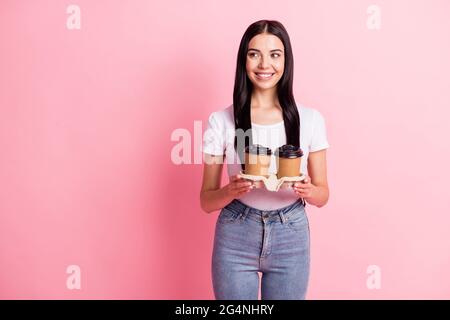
x=234, y=178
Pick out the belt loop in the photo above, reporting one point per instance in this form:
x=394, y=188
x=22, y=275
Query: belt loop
x=244, y=214
x=302, y=201
x=283, y=219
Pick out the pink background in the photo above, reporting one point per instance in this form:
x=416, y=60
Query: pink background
x=86, y=120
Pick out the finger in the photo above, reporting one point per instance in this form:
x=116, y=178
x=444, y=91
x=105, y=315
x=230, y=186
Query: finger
x=243, y=184
x=301, y=183
x=244, y=188
x=300, y=189
x=241, y=179
x=234, y=178
x=242, y=191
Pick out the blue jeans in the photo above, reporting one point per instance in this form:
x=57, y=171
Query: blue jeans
x=275, y=243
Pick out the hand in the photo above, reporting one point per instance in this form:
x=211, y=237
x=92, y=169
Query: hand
x=238, y=186
x=304, y=188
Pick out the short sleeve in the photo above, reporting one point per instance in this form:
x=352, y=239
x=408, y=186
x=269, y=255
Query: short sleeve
x=319, y=139
x=213, y=138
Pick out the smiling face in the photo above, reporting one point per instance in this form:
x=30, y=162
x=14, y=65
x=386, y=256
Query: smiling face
x=265, y=60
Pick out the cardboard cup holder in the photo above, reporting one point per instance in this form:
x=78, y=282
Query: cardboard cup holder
x=272, y=183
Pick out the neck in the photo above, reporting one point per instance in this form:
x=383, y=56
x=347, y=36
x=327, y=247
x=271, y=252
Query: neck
x=264, y=99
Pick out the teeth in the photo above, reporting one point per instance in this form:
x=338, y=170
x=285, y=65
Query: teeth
x=265, y=75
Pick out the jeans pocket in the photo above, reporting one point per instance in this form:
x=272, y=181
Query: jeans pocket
x=228, y=216
x=298, y=221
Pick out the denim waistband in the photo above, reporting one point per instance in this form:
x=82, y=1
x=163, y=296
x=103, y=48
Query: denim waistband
x=240, y=208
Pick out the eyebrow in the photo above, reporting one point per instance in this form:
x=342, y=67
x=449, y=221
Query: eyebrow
x=252, y=49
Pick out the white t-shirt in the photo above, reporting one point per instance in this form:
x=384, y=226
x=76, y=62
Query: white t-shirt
x=218, y=139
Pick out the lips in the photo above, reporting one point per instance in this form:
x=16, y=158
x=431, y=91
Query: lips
x=264, y=75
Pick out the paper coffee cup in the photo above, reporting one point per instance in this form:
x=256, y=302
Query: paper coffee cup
x=288, y=159
x=257, y=160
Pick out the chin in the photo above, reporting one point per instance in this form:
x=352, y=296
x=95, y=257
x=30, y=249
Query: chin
x=265, y=85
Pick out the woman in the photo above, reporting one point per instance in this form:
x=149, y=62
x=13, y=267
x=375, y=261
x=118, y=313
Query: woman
x=259, y=230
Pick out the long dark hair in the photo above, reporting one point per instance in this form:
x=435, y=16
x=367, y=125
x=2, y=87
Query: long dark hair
x=243, y=87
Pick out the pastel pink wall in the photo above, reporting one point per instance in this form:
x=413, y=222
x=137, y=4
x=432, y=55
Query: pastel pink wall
x=85, y=143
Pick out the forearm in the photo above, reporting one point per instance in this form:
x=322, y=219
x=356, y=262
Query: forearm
x=213, y=200
x=319, y=196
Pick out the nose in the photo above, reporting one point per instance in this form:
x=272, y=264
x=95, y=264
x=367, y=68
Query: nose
x=263, y=63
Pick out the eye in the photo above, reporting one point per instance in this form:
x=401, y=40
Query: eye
x=252, y=54
x=276, y=54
